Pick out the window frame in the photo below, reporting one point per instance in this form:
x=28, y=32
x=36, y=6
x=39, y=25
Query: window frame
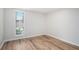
x=18, y=20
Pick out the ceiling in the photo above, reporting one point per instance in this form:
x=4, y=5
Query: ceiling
x=41, y=10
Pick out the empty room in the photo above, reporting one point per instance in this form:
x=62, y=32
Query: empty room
x=39, y=28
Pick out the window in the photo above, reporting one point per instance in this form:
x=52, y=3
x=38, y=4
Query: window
x=19, y=22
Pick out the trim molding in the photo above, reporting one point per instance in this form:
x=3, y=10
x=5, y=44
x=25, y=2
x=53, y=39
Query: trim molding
x=1, y=44
x=20, y=37
x=65, y=41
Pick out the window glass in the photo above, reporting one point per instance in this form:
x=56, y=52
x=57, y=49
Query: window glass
x=19, y=22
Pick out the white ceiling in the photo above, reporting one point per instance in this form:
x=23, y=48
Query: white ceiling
x=41, y=10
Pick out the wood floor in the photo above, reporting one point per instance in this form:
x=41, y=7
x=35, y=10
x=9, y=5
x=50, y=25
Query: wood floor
x=38, y=43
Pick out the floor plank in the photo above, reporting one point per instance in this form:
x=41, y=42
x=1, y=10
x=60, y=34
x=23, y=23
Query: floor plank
x=38, y=43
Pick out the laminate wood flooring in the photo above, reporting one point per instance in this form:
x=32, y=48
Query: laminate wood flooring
x=38, y=43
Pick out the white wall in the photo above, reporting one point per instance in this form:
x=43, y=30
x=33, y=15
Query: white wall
x=9, y=28
x=64, y=23
x=33, y=24
x=1, y=25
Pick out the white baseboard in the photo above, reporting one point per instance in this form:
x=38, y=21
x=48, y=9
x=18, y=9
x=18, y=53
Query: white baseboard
x=22, y=37
x=63, y=39
x=2, y=44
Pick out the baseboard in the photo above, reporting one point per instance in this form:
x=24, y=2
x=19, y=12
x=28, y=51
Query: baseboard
x=70, y=43
x=2, y=44
x=22, y=37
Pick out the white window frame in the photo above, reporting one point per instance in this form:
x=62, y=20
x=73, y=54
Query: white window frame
x=23, y=21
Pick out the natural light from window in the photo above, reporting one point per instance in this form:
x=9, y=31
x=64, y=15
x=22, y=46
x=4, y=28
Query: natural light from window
x=19, y=22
